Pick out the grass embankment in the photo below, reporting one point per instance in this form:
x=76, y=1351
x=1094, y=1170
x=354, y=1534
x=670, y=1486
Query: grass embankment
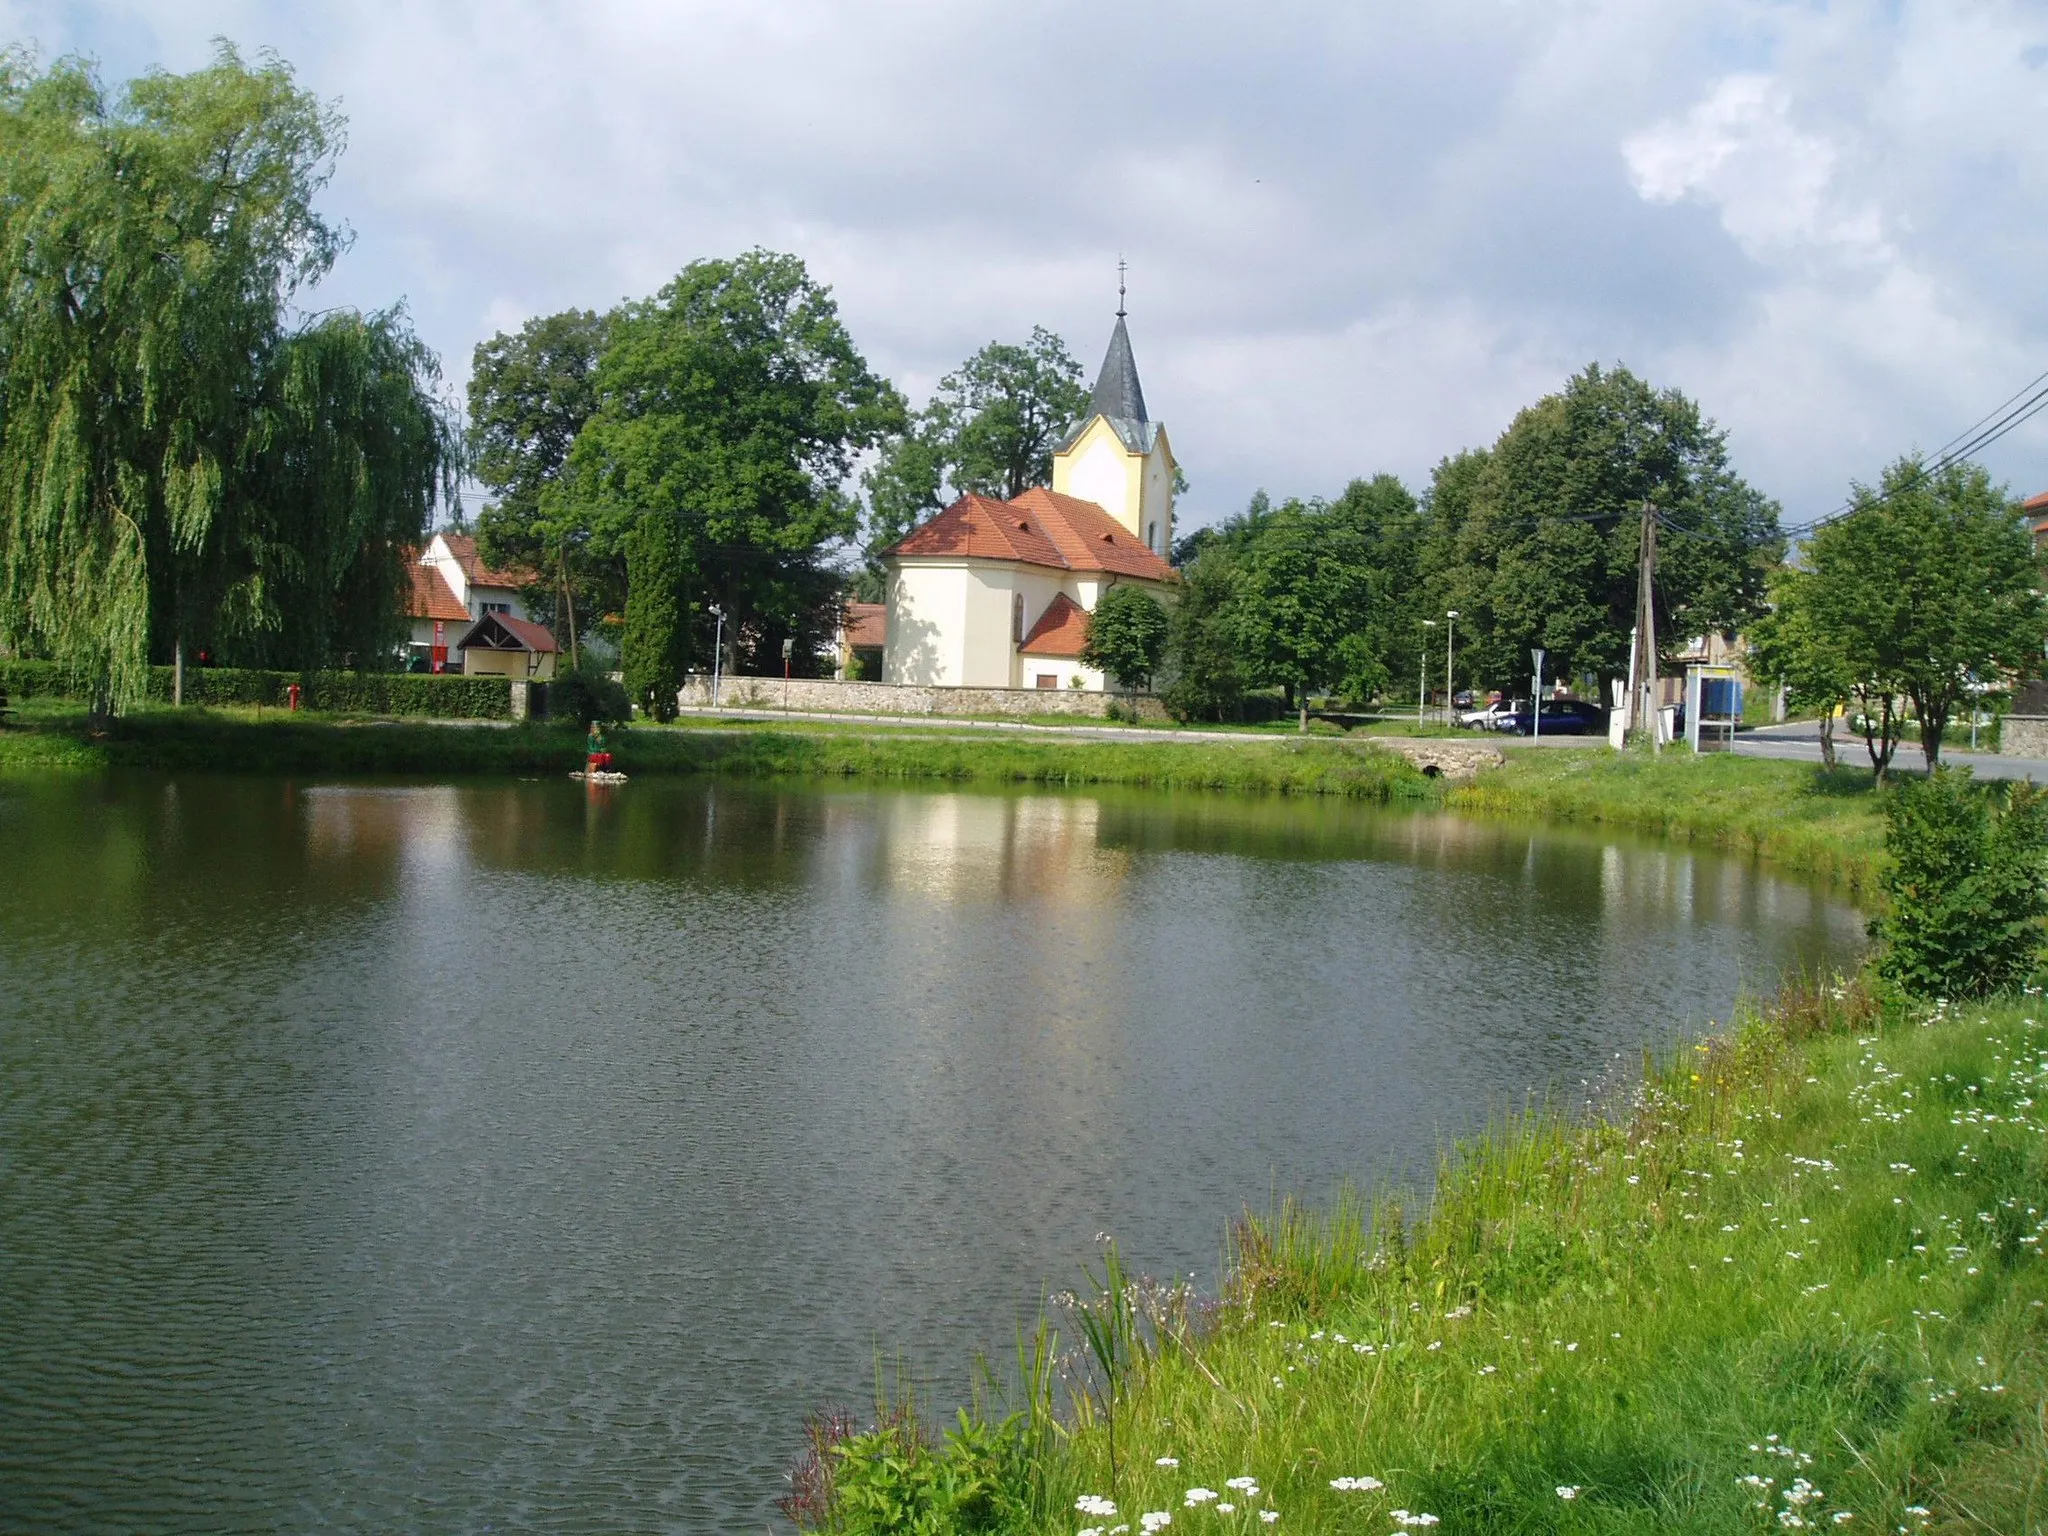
x=1794, y=815
x=1797, y=1284
x=238, y=741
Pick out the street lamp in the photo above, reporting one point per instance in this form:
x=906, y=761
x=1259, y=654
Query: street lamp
x=1536, y=702
x=717, y=651
x=1422, y=673
x=1450, y=646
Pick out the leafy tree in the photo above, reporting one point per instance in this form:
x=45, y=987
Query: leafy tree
x=1126, y=635
x=990, y=428
x=1300, y=596
x=732, y=404
x=1928, y=581
x=654, y=649
x=1201, y=646
x=1377, y=523
x=157, y=418
x=1786, y=646
x=347, y=449
x=1548, y=524
x=1966, y=887
x=529, y=395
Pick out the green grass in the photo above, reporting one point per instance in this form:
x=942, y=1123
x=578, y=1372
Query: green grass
x=1794, y=815
x=1809, y=1250
x=239, y=741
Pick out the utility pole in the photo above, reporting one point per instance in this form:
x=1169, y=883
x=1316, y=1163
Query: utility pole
x=1643, y=707
x=1450, y=651
x=1422, y=672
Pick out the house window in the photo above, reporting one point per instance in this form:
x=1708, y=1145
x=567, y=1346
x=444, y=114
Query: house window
x=497, y=607
x=1016, y=618
x=1046, y=680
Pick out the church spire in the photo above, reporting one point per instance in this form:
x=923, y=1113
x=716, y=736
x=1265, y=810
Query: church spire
x=1118, y=394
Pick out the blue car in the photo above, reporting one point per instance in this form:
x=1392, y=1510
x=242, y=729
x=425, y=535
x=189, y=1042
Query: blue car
x=1561, y=717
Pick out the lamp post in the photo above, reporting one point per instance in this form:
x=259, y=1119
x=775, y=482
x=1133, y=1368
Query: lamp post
x=717, y=651
x=1450, y=648
x=1422, y=672
x=1536, y=702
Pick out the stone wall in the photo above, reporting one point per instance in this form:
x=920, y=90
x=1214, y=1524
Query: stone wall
x=824, y=695
x=2023, y=736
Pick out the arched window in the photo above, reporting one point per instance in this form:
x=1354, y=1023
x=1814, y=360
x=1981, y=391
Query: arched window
x=1152, y=537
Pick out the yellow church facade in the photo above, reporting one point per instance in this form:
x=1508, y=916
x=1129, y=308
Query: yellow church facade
x=996, y=594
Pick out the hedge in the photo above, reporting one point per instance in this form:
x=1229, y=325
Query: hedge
x=443, y=696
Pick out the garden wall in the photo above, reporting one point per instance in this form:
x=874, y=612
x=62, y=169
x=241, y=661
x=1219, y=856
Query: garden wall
x=826, y=695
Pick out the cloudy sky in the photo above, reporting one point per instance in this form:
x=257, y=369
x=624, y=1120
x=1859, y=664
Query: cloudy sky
x=1360, y=235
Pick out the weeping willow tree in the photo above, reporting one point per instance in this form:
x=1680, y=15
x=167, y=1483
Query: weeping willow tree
x=178, y=464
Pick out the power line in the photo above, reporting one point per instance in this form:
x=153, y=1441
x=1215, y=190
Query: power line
x=2004, y=418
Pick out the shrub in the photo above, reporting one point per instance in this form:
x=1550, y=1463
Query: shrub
x=442, y=696
x=1967, y=886
x=891, y=1481
x=588, y=694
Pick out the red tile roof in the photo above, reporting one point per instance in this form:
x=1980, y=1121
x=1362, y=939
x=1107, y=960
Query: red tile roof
x=432, y=597
x=463, y=548
x=2035, y=503
x=538, y=637
x=528, y=635
x=1060, y=631
x=867, y=624
x=1040, y=527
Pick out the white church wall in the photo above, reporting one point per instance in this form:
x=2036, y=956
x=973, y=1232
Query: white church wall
x=987, y=645
x=1155, y=500
x=927, y=607
x=1064, y=672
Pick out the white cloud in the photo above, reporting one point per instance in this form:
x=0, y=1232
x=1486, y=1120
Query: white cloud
x=1773, y=184
x=1361, y=235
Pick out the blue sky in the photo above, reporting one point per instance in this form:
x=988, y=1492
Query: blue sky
x=1360, y=235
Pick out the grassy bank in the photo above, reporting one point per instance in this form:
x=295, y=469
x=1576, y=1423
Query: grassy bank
x=217, y=740
x=1792, y=814
x=1796, y=1284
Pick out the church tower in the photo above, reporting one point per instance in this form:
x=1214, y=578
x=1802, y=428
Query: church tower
x=1118, y=457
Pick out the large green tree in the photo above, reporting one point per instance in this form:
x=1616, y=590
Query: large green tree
x=1926, y=585
x=530, y=392
x=734, y=403
x=1541, y=534
x=1786, y=646
x=990, y=428
x=1127, y=634
x=1205, y=680
x=1300, y=600
x=159, y=420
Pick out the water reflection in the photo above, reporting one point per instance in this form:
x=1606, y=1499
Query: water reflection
x=400, y=1155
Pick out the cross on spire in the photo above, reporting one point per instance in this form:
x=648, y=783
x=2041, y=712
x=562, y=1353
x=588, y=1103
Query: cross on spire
x=1121, y=267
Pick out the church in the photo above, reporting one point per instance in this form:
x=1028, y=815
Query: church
x=996, y=594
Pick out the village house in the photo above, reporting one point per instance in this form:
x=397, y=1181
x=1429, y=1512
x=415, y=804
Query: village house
x=453, y=591
x=996, y=594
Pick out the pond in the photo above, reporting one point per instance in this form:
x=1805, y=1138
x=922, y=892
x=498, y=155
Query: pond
x=506, y=1155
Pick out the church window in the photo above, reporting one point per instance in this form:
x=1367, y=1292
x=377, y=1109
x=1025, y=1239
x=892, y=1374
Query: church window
x=1016, y=618
x=1152, y=537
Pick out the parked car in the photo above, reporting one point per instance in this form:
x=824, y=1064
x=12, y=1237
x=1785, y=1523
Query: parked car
x=1561, y=717
x=1489, y=718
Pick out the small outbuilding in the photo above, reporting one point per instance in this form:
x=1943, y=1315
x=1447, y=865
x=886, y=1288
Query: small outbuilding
x=499, y=645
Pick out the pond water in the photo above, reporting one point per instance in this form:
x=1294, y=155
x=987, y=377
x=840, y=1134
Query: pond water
x=514, y=1156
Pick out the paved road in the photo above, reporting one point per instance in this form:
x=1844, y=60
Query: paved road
x=1800, y=742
